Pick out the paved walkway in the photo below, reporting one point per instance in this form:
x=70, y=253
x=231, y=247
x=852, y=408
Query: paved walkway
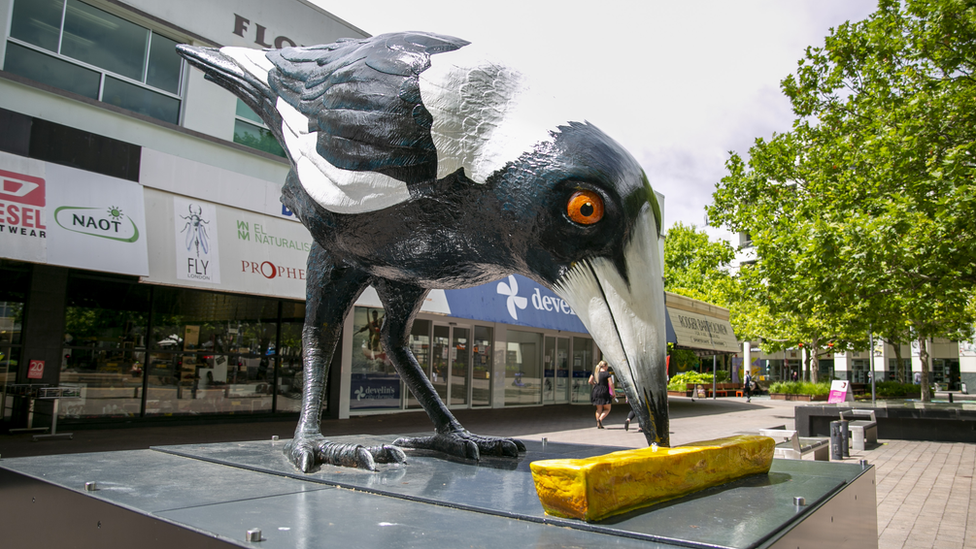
x=924, y=489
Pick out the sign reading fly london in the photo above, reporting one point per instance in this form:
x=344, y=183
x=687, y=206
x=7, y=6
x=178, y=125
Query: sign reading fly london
x=197, y=257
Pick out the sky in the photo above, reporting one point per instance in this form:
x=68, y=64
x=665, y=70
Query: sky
x=677, y=83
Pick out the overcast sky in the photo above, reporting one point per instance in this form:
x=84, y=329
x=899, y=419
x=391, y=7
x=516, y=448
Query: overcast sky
x=678, y=83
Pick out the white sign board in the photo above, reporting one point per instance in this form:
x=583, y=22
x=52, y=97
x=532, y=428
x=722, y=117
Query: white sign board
x=64, y=216
x=840, y=391
x=195, y=229
x=199, y=244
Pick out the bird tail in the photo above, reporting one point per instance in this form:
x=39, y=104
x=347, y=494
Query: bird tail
x=242, y=72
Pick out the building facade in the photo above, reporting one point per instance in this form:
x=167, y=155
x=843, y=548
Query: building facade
x=148, y=265
x=952, y=365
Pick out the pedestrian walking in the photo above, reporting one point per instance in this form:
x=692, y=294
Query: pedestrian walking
x=747, y=386
x=600, y=395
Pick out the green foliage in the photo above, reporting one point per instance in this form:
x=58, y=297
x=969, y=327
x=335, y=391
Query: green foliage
x=893, y=389
x=682, y=359
x=680, y=381
x=693, y=264
x=800, y=388
x=861, y=215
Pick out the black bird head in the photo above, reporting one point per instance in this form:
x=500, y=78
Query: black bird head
x=380, y=124
x=594, y=239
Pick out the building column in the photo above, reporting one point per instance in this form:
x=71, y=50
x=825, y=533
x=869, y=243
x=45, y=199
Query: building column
x=498, y=366
x=43, y=333
x=746, y=358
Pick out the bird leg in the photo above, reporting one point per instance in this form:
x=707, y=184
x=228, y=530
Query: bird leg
x=402, y=302
x=323, y=326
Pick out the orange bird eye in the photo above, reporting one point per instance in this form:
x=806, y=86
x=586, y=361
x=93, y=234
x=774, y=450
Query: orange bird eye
x=585, y=207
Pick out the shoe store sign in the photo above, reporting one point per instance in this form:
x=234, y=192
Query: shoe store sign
x=64, y=216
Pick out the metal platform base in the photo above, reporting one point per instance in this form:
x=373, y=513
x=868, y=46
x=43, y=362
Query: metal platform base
x=211, y=495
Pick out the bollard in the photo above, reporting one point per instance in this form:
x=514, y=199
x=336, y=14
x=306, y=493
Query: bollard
x=836, y=440
x=845, y=434
x=950, y=398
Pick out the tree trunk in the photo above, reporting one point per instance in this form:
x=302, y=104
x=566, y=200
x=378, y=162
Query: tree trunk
x=923, y=356
x=899, y=367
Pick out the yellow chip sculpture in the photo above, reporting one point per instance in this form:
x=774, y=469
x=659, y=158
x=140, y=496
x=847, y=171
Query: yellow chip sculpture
x=595, y=488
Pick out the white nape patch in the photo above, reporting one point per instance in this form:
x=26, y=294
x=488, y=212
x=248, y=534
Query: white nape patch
x=485, y=113
x=255, y=62
x=337, y=190
x=626, y=321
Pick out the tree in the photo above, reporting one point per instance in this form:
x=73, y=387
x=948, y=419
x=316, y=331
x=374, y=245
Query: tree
x=693, y=264
x=862, y=213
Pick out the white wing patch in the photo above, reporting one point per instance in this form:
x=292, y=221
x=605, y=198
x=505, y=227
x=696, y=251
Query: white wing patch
x=337, y=190
x=251, y=60
x=485, y=113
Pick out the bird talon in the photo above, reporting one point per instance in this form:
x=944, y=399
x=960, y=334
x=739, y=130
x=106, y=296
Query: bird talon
x=465, y=445
x=387, y=453
x=307, y=452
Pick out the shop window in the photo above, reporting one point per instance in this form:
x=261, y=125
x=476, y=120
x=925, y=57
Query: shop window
x=290, y=374
x=584, y=361
x=250, y=130
x=104, y=354
x=481, y=371
x=374, y=383
x=901, y=373
x=13, y=293
x=859, y=370
x=212, y=353
x=79, y=48
x=523, y=368
x=420, y=344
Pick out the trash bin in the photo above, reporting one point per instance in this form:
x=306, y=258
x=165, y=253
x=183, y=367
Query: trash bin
x=837, y=441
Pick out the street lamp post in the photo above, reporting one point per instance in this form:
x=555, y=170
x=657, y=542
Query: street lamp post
x=871, y=358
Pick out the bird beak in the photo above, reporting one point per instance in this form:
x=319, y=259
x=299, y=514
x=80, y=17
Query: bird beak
x=624, y=313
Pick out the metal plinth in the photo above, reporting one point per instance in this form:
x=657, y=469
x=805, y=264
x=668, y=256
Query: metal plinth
x=221, y=495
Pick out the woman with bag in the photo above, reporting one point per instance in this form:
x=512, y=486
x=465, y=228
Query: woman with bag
x=602, y=394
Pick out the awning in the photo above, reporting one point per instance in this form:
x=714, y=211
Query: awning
x=699, y=326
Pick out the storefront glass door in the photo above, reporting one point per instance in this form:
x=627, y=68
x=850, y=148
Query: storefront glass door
x=460, y=366
x=451, y=372
x=556, y=383
x=481, y=369
x=562, y=370
x=583, y=363
x=441, y=344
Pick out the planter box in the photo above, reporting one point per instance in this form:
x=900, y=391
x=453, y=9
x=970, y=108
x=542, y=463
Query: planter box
x=680, y=393
x=800, y=398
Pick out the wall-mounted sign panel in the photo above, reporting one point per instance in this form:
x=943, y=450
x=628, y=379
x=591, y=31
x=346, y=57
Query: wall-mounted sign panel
x=698, y=325
x=63, y=216
x=204, y=245
x=515, y=300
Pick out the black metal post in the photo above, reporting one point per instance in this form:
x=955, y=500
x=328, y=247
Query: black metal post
x=836, y=440
x=845, y=435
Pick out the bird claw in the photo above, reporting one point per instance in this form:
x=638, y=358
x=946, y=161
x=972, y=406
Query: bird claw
x=307, y=452
x=464, y=444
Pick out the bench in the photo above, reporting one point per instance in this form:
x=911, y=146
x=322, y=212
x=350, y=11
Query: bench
x=862, y=430
x=790, y=446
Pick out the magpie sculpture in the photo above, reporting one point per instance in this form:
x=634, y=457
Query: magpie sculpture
x=417, y=163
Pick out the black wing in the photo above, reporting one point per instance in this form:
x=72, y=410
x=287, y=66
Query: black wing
x=363, y=99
